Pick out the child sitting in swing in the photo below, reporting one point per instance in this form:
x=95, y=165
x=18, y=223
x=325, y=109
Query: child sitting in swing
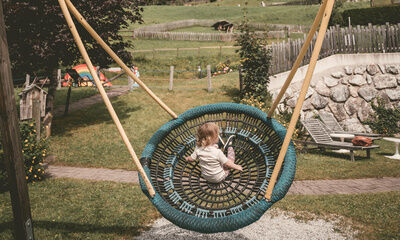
x=213, y=163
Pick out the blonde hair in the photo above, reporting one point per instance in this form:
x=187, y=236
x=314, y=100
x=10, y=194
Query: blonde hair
x=206, y=134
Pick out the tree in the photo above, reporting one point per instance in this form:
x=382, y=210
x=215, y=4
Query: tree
x=40, y=41
x=255, y=59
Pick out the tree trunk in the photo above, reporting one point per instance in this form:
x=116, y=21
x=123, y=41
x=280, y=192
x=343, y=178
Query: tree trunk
x=51, y=93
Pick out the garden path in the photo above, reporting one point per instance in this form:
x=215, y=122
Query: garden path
x=86, y=102
x=305, y=187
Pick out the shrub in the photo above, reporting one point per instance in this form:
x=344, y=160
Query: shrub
x=255, y=58
x=385, y=120
x=33, y=152
x=375, y=15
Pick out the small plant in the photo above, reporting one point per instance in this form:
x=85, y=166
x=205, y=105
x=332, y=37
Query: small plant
x=254, y=102
x=284, y=118
x=33, y=152
x=385, y=120
x=255, y=59
x=222, y=68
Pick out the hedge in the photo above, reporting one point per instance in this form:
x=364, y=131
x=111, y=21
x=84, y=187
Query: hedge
x=375, y=15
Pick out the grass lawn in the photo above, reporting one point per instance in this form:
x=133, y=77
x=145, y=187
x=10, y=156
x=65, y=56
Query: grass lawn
x=76, y=94
x=71, y=209
x=228, y=10
x=89, y=138
x=373, y=215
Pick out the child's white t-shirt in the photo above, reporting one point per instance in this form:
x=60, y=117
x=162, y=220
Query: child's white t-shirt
x=211, y=161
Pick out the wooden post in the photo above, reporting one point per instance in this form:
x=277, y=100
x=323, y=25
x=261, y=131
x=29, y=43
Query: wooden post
x=303, y=51
x=112, y=54
x=36, y=117
x=154, y=53
x=103, y=93
x=11, y=141
x=58, y=78
x=302, y=95
x=171, y=78
x=240, y=79
x=209, y=78
x=177, y=52
x=27, y=79
x=67, y=101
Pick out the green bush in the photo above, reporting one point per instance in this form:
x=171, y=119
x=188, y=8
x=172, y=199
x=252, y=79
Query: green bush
x=33, y=152
x=375, y=15
x=256, y=60
x=385, y=120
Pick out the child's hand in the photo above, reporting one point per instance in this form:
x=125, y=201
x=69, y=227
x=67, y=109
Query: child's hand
x=189, y=159
x=239, y=168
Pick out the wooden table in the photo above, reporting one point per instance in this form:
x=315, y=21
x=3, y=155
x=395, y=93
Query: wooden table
x=342, y=136
x=396, y=141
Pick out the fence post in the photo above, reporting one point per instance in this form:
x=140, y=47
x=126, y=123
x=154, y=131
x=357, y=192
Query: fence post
x=209, y=77
x=27, y=79
x=58, y=78
x=240, y=79
x=171, y=78
x=177, y=52
x=154, y=53
x=36, y=117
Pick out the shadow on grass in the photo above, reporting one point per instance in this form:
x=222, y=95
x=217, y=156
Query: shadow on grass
x=345, y=156
x=67, y=227
x=92, y=115
x=232, y=92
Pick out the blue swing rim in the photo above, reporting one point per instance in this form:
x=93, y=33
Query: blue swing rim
x=231, y=222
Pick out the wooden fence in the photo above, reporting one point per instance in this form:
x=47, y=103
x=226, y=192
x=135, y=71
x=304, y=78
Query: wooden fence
x=163, y=27
x=358, y=39
x=194, y=36
x=180, y=51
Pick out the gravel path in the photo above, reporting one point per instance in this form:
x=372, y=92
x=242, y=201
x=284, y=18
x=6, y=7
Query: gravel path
x=274, y=224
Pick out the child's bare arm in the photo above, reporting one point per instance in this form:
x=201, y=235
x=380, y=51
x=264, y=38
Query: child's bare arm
x=189, y=159
x=230, y=164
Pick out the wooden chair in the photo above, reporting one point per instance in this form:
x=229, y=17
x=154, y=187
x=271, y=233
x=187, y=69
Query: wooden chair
x=322, y=139
x=334, y=127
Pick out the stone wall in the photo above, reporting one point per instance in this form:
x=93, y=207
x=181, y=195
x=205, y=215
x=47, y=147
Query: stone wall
x=347, y=93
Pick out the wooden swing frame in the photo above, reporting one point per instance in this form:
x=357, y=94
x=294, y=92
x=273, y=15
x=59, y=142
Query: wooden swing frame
x=321, y=20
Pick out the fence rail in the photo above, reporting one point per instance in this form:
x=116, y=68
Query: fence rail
x=358, y=39
x=195, y=36
x=163, y=27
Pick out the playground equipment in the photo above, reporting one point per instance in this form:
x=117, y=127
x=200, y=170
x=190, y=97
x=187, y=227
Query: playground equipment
x=263, y=148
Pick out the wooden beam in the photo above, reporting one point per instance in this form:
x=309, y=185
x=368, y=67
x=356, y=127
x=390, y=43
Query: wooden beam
x=110, y=52
x=303, y=91
x=11, y=141
x=300, y=57
x=103, y=94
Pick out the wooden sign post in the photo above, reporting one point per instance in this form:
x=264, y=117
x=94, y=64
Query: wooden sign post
x=12, y=143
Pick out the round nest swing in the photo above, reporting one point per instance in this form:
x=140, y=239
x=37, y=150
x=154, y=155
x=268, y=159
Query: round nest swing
x=188, y=200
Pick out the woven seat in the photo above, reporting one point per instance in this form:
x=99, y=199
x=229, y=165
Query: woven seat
x=188, y=200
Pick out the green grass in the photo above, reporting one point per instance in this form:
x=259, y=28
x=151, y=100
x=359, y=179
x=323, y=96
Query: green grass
x=76, y=94
x=298, y=14
x=89, y=138
x=196, y=29
x=72, y=209
x=373, y=215
x=330, y=165
x=278, y=14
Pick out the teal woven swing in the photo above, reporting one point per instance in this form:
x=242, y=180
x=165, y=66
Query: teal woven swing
x=263, y=147
x=186, y=199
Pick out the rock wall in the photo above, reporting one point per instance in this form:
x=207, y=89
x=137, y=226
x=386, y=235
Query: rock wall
x=347, y=93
